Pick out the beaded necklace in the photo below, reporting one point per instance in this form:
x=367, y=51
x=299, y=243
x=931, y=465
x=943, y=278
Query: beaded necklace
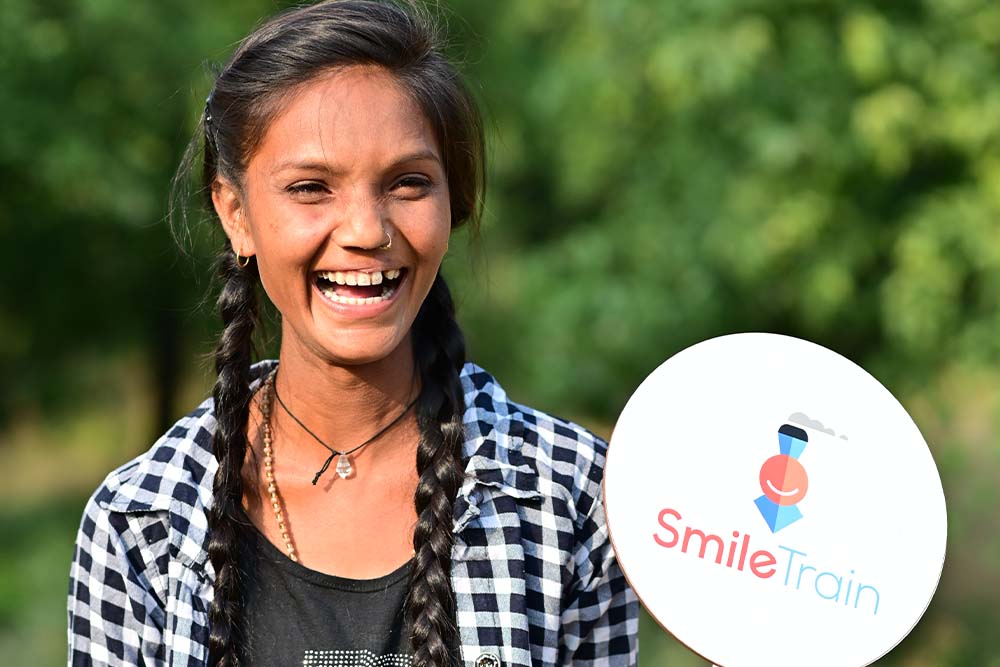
x=272, y=485
x=344, y=467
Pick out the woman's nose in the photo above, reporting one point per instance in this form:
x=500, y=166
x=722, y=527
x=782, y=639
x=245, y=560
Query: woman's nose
x=362, y=222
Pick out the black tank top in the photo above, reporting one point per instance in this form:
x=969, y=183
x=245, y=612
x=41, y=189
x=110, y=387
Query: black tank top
x=303, y=618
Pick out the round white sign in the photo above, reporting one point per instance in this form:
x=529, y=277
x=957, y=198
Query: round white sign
x=773, y=505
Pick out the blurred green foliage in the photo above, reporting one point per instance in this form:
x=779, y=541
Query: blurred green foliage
x=666, y=172
x=661, y=172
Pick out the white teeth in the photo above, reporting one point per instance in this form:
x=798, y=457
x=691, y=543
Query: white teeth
x=359, y=277
x=387, y=293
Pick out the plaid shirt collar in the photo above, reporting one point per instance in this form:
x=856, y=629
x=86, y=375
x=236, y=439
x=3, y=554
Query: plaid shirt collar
x=492, y=448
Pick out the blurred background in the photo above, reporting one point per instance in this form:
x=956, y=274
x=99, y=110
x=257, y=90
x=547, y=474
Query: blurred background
x=661, y=172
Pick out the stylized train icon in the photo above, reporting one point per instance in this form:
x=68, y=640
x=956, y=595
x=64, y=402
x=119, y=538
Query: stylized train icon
x=783, y=480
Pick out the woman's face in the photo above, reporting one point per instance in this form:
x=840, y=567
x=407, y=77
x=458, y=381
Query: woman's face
x=348, y=162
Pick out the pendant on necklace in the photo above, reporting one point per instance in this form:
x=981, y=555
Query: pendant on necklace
x=344, y=467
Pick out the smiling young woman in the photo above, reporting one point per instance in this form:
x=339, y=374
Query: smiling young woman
x=456, y=527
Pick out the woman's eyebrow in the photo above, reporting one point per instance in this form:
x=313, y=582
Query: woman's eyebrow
x=416, y=156
x=319, y=165
x=302, y=165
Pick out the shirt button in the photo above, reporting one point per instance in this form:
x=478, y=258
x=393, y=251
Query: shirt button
x=487, y=660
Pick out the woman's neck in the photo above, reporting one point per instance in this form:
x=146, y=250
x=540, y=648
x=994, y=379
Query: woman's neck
x=343, y=405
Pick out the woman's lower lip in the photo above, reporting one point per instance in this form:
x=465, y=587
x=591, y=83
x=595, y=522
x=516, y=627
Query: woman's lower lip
x=361, y=310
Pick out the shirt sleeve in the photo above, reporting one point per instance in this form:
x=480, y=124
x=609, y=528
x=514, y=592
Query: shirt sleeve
x=115, y=615
x=600, y=625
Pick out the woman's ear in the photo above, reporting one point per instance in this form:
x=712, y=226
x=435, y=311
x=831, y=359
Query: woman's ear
x=229, y=208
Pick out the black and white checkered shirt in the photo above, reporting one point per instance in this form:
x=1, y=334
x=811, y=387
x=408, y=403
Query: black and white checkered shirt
x=535, y=579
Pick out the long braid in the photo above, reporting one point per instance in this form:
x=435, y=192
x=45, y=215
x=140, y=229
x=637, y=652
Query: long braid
x=227, y=519
x=440, y=354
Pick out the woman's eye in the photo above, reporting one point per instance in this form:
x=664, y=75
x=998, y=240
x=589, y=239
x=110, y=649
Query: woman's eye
x=306, y=189
x=412, y=186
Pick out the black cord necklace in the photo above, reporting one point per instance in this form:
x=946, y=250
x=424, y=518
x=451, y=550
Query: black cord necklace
x=344, y=467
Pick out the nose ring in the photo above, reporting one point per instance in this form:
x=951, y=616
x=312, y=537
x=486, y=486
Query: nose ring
x=388, y=243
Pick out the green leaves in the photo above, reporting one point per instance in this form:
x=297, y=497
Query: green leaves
x=820, y=170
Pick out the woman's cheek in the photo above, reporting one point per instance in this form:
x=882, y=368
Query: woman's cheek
x=437, y=231
x=284, y=277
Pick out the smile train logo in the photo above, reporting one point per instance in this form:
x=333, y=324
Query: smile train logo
x=783, y=480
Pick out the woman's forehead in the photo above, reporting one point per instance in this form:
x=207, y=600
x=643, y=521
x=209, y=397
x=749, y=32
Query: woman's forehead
x=347, y=118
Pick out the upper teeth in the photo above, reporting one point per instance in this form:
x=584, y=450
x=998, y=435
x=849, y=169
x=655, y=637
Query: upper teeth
x=359, y=277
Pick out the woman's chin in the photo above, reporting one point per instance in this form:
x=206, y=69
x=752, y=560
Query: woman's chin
x=359, y=350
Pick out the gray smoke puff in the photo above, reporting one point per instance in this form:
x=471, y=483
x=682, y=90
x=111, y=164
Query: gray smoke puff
x=803, y=419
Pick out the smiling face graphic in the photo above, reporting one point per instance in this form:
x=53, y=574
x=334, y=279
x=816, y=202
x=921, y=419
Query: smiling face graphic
x=783, y=480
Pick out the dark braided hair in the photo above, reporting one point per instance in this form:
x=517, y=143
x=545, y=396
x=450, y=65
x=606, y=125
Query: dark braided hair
x=440, y=355
x=227, y=545
x=287, y=52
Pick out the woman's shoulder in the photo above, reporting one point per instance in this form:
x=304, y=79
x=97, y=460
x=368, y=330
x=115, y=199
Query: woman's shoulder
x=178, y=468
x=528, y=449
x=152, y=510
x=177, y=471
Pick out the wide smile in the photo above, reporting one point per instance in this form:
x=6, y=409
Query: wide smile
x=783, y=494
x=359, y=287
